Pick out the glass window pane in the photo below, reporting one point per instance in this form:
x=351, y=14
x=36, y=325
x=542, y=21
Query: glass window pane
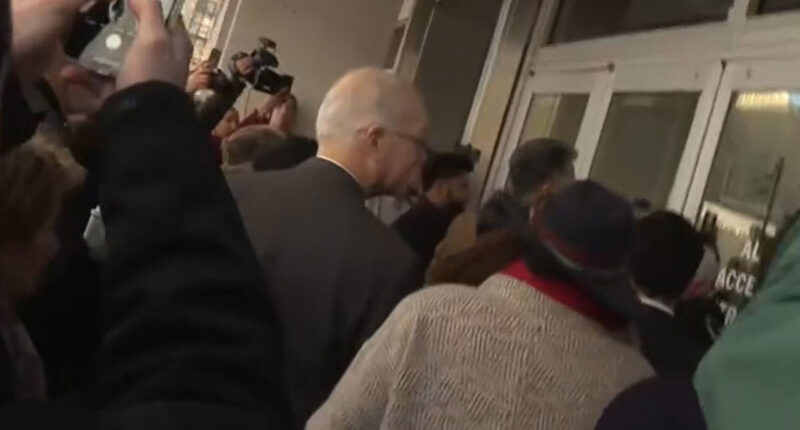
x=586, y=19
x=555, y=116
x=754, y=186
x=642, y=144
x=771, y=6
x=200, y=17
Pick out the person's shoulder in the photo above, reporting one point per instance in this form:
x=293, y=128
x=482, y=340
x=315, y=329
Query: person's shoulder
x=241, y=179
x=447, y=309
x=260, y=190
x=501, y=211
x=444, y=300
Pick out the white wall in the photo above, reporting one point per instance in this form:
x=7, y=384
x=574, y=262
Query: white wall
x=318, y=41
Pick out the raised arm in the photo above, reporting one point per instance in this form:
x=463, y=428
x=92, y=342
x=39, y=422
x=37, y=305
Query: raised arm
x=186, y=315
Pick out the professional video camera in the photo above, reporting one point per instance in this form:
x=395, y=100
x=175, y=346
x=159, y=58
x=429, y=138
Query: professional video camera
x=259, y=69
x=265, y=76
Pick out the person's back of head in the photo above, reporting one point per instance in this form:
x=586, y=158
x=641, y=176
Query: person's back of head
x=537, y=168
x=243, y=146
x=373, y=124
x=540, y=163
x=502, y=212
x=668, y=253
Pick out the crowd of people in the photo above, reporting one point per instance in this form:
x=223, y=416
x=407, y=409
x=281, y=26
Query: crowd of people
x=166, y=265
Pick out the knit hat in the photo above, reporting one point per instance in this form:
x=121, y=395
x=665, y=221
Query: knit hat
x=589, y=228
x=591, y=231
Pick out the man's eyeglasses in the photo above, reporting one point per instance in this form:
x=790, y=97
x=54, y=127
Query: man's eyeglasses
x=421, y=143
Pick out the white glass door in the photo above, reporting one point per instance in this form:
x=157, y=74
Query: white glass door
x=747, y=183
x=653, y=131
x=562, y=105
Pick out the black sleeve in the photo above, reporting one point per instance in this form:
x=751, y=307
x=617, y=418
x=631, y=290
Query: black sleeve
x=17, y=119
x=226, y=92
x=211, y=111
x=5, y=31
x=6, y=376
x=186, y=315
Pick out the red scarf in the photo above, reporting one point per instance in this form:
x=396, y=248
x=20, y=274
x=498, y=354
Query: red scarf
x=571, y=296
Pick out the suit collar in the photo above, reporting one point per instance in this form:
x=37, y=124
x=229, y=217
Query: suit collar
x=335, y=173
x=341, y=166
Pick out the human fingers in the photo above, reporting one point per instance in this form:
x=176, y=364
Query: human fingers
x=150, y=19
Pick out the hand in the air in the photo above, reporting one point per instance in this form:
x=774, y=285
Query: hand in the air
x=158, y=54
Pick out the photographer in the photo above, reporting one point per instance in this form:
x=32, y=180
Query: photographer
x=190, y=339
x=215, y=92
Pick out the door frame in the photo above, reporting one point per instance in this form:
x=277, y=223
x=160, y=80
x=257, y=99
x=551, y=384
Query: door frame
x=700, y=76
x=739, y=75
x=601, y=82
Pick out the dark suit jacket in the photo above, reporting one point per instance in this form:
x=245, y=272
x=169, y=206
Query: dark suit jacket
x=334, y=271
x=668, y=344
x=423, y=227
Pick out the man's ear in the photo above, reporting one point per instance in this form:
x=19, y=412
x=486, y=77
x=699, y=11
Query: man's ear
x=374, y=134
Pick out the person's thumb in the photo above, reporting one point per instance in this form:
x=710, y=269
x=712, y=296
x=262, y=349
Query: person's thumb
x=150, y=18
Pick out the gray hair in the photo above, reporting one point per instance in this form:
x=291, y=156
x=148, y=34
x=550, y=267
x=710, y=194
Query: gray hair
x=361, y=98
